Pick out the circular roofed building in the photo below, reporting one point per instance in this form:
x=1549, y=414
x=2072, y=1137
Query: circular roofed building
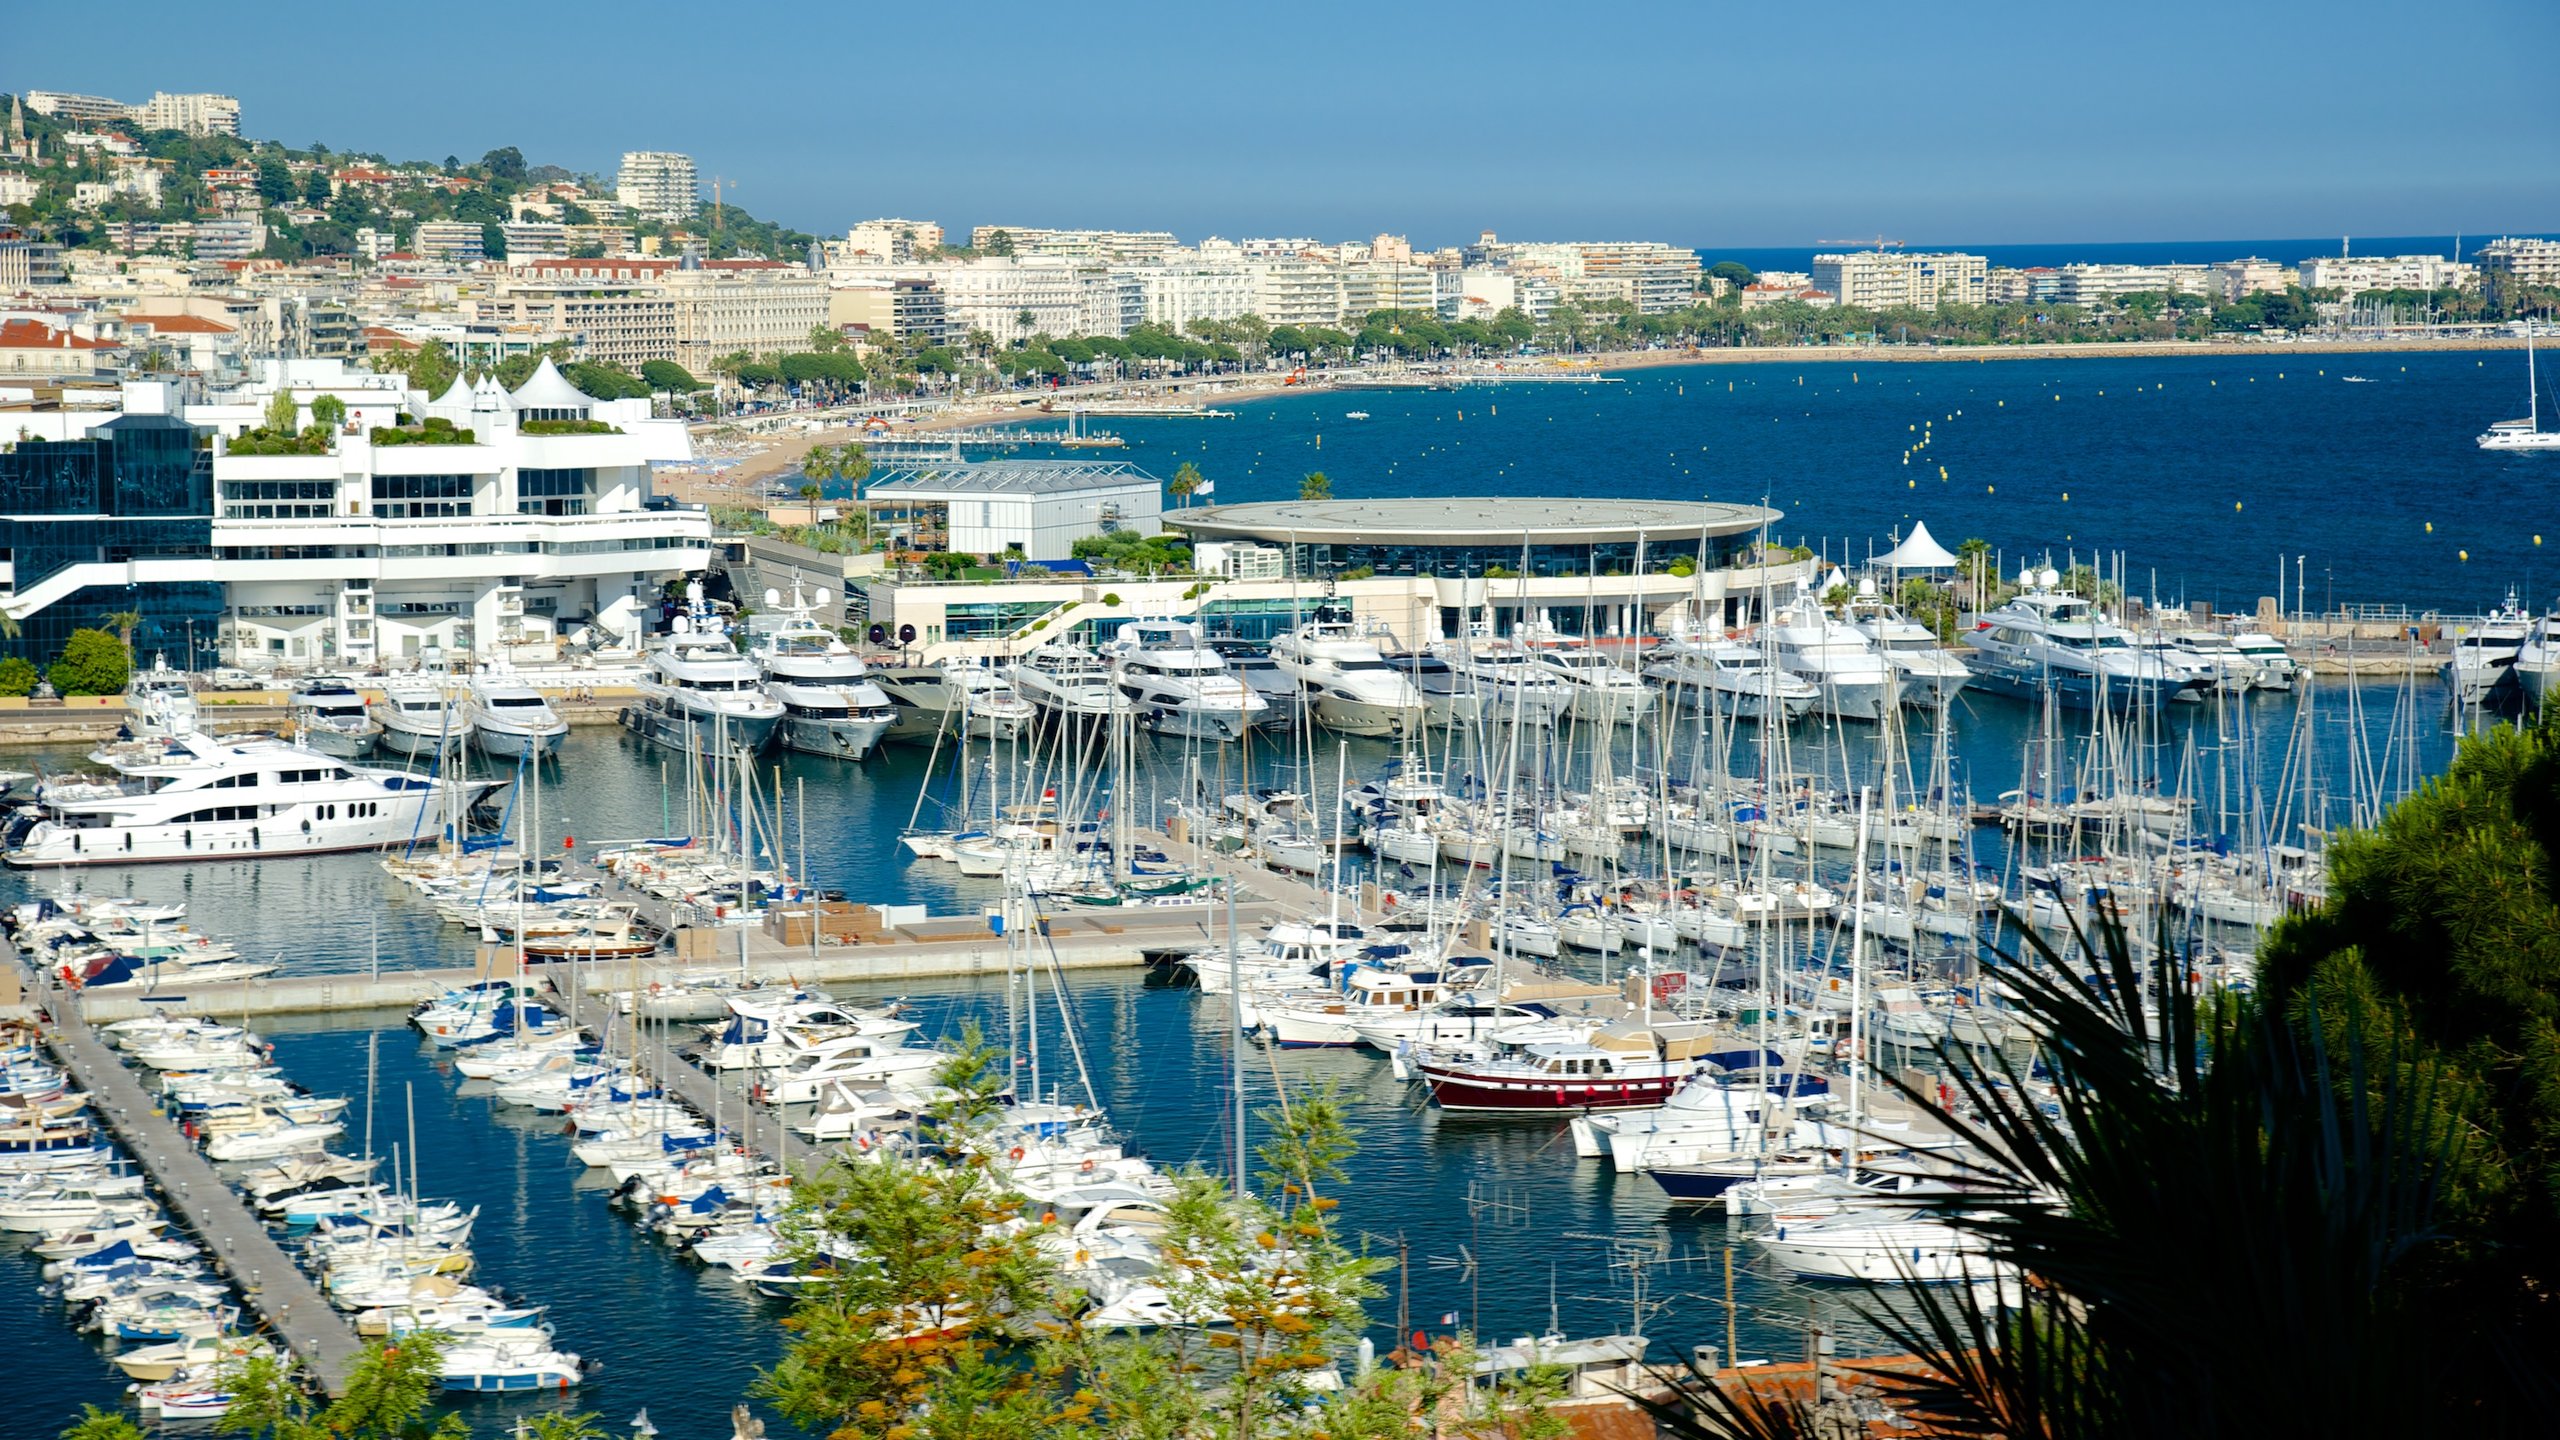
x=1462, y=537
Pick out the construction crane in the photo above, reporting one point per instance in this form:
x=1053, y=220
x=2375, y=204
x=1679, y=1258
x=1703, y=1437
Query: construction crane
x=1877, y=242
x=716, y=217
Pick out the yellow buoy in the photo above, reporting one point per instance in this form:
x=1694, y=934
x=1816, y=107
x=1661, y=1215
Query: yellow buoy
x=2462, y=554
x=2066, y=494
x=2004, y=404
x=2537, y=539
x=2235, y=504
x=1942, y=472
x=1910, y=484
x=2431, y=527
x=1990, y=489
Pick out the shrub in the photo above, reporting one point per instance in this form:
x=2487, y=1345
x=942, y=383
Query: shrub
x=92, y=662
x=17, y=676
x=1111, y=598
x=430, y=435
x=566, y=427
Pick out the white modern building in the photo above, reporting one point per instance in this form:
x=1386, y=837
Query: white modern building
x=659, y=185
x=2352, y=275
x=531, y=531
x=2101, y=284
x=1884, y=279
x=1107, y=247
x=1041, y=506
x=455, y=242
x=195, y=114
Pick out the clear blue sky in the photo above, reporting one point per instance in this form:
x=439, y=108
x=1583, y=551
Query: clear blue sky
x=1707, y=124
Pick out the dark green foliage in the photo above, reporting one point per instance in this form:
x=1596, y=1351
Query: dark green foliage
x=668, y=375
x=1128, y=550
x=17, y=676
x=93, y=662
x=605, y=381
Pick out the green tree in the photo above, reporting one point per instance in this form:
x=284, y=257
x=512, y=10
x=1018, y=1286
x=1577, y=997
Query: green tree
x=92, y=662
x=275, y=181
x=97, y=1424
x=390, y=1396
x=17, y=676
x=124, y=623
x=1315, y=485
x=668, y=375
x=328, y=412
x=504, y=164
x=432, y=368
x=281, y=414
x=315, y=187
x=1185, y=482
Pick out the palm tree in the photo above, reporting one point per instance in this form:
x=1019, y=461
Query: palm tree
x=124, y=623
x=1185, y=481
x=1315, y=485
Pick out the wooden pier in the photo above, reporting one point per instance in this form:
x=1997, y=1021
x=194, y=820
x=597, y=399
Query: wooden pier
x=239, y=1245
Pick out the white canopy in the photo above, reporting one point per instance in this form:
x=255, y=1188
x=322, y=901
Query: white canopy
x=548, y=389
x=1918, y=551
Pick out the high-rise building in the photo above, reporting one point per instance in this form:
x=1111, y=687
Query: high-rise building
x=457, y=242
x=77, y=109
x=195, y=114
x=659, y=185
x=1885, y=279
x=2506, y=264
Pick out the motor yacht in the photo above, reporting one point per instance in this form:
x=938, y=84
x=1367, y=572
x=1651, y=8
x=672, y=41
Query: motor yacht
x=990, y=708
x=1283, y=703
x=329, y=716
x=1602, y=690
x=1350, y=687
x=418, y=715
x=2275, y=666
x=829, y=704
x=1064, y=681
x=203, y=799
x=1730, y=677
x=2537, y=664
x=510, y=718
x=1177, y=685
x=1929, y=673
x=1851, y=680
x=1501, y=677
x=160, y=703
x=2484, y=654
x=2045, y=640
x=700, y=694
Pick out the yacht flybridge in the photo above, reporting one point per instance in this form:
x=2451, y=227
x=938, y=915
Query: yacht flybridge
x=1849, y=678
x=829, y=704
x=2047, y=640
x=700, y=694
x=509, y=717
x=203, y=798
x=1350, y=686
x=1929, y=673
x=1177, y=685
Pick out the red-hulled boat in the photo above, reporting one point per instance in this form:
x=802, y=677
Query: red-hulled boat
x=1554, y=1076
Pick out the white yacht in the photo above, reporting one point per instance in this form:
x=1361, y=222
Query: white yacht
x=329, y=715
x=1730, y=676
x=1177, y=685
x=1350, y=687
x=2234, y=670
x=1852, y=680
x=1603, y=690
x=2484, y=655
x=1066, y=681
x=2044, y=640
x=510, y=717
x=1505, y=679
x=700, y=694
x=1930, y=673
x=829, y=704
x=2525, y=434
x=990, y=708
x=2537, y=667
x=207, y=799
x=1283, y=703
x=159, y=703
x=1448, y=697
x=418, y=715
x=2275, y=664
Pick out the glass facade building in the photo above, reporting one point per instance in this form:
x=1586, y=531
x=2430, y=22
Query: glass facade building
x=137, y=488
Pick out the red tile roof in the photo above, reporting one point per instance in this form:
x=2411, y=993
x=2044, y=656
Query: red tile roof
x=181, y=324
x=36, y=335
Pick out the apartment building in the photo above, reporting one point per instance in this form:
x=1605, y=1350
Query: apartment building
x=2352, y=275
x=1010, y=299
x=195, y=114
x=1884, y=279
x=453, y=242
x=232, y=239
x=1298, y=292
x=889, y=241
x=26, y=262
x=2106, y=284
x=2237, y=280
x=1387, y=285
x=1177, y=292
x=77, y=109
x=659, y=185
x=1106, y=247
x=2509, y=261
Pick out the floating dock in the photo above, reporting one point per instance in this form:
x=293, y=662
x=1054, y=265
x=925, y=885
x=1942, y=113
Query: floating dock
x=238, y=1243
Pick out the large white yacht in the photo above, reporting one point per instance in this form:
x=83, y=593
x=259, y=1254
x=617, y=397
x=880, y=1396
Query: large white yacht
x=829, y=704
x=1505, y=679
x=159, y=703
x=1854, y=681
x=1064, y=681
x=700, y=694
x=2046, y=640
x=418, y=714
x=1350, y=686
x=329, y=714
x=958, y=694
x=1730, y=676
x=509, y=717
x=1602, y=689
x=1178, y=685
x=1930, y=673
x=2537, y=665
x=202, y=798
x=2484, y=654
x=1283, y=703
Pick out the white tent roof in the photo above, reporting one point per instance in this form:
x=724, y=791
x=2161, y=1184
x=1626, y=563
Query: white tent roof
x=1918, y=551
x=456, y=395
x=547, y=389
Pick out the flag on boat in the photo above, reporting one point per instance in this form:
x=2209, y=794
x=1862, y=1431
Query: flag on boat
x=1449, y=1319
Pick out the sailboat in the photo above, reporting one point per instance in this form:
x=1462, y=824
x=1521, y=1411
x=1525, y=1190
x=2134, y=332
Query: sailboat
x=2527, y=433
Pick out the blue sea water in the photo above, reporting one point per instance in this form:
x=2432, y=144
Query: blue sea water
x=2128, y=252
x=2205, y=474
x=2150, y=452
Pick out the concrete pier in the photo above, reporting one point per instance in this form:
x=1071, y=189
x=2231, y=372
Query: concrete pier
x=241, y=1247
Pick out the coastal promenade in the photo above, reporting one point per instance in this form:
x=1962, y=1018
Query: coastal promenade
x=240, y=1246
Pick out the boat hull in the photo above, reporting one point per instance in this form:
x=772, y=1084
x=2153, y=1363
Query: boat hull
x=841, y=739
x=707, y=735
x=1458, y=1090
x=515, y=744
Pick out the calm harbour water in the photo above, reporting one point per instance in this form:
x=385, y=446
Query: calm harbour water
x=2346, y=473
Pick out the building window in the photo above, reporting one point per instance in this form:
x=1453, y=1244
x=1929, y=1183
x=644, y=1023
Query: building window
x=410, y=497
x=279, y=499
x=553, y=492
